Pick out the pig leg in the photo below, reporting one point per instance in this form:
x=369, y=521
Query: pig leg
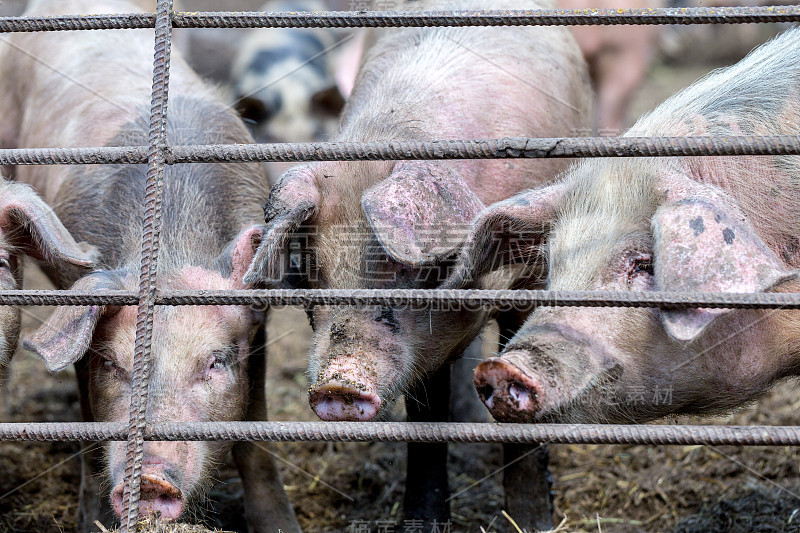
x=93, y=503
x=465, y=405
x=266, y=505
x=619, y=73
x=527, y=482
x=426, y=475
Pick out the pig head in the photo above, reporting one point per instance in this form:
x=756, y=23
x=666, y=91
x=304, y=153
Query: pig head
x=198, y=368
x=29, y=226
x=327, y=230
x=660, y=230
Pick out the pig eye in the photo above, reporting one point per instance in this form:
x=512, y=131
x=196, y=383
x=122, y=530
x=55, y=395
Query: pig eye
x=109, y=366
x=4, y=263
x=640, y=264
x=219, y=362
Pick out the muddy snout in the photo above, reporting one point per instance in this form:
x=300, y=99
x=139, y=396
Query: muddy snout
x=508, y=393
x=353, y=402
x=160, y=493
x=345, y=391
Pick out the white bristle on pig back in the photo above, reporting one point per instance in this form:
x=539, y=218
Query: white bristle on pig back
x=756, y=96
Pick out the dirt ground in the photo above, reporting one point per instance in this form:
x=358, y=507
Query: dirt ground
x=597, y=488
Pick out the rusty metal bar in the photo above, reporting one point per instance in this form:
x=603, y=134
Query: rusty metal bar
x=519, y=147
x=471, y=298
x=369, y=19
x=116, y=21
x=543, y=17
x=156, y=163
x=507, y=148
x=413, y=432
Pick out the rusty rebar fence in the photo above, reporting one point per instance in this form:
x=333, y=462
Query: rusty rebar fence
x=157, y=154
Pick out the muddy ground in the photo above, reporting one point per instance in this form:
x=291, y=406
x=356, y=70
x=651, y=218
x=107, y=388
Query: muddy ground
x=597, y=488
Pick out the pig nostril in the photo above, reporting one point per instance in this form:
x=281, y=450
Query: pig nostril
x=520, y=393
x=485, y=392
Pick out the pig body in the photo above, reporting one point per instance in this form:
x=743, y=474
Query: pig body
x=93, y=89
x=382, y=224
x=349, y=225
x=691, y=224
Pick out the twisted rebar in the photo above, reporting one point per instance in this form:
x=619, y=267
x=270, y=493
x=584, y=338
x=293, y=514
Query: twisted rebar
x=367, y=19
x=156, y=163
x=413, y=432
x=477, y=298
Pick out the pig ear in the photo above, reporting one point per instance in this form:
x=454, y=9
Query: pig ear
x=67, y=333
x=293, y=201
x=415, y=211
x=705, y=244
x=30, y=224
x=508, y=232
x=329, y=100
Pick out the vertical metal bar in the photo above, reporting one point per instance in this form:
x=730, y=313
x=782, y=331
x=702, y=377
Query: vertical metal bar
x=149, y=266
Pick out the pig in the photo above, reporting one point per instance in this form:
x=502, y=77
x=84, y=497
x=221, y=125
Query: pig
x=29, y=226
x=83, y=88
x=388, y=224
x=618, y=59
x=284, y=79
x=686, y=224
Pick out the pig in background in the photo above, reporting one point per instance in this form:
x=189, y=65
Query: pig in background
x=29, y=226
x=284, y=80
x=68, y=89
x=687, y=224
x=397, y=224
x=619, y=58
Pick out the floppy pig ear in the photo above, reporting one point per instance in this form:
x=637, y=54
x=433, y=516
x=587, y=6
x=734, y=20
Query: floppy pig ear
x=67, y=333
x=415, y=211
x=511, y=231
x=705, y=244
x=293, y=201
x=33, y=226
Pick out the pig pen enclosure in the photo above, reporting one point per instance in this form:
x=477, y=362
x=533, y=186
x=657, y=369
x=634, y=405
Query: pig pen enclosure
x=607, y=478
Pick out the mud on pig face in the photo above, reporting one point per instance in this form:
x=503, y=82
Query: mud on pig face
x=198, y=370
x=370, y=226
x=626, y=226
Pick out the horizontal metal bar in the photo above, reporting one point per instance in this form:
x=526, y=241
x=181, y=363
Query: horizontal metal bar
x=412, y=432
x=510, y=147
x=69, y=297
x=439, y=298
x=367, y=19
x=116, y=21
x=507, y=148
x=74, y=156
x=469, y=298
x=544, y=17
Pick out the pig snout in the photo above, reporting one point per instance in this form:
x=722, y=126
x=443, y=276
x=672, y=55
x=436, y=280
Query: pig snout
x=345, y=392
x=542, y=373
x=159, y=494
x=508, y=393
x=344, y=402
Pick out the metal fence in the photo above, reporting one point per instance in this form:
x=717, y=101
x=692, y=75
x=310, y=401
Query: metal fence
x=158, y=154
